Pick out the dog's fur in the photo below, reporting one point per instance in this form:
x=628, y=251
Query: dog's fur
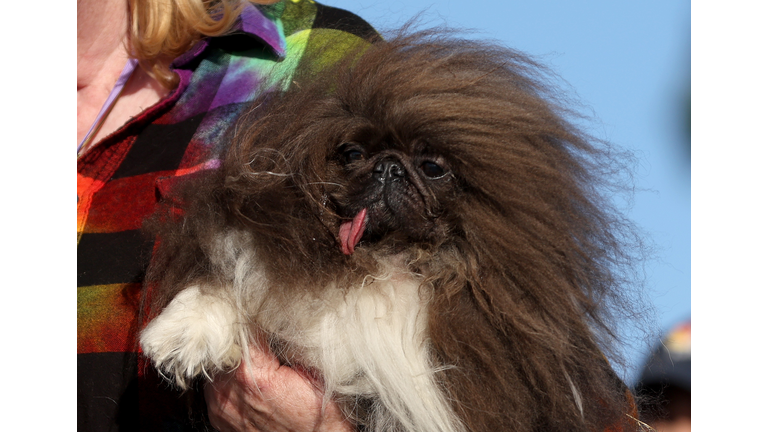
x=474, y=300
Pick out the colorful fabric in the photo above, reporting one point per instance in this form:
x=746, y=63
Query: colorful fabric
x=120, y=179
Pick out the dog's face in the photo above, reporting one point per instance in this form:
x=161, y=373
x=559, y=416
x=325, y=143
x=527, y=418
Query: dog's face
x=392, y=190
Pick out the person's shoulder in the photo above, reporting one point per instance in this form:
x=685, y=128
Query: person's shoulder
x=299, y=16
x=317, y=36
x=332, y=18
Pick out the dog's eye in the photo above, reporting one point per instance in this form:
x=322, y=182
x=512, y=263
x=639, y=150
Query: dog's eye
x=432, y=170
x=353, y=155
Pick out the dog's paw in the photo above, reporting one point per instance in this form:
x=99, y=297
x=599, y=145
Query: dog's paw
x=196, y=334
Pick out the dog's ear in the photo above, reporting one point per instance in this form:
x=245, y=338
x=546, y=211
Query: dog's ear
x=532, y=360
x=530, y=301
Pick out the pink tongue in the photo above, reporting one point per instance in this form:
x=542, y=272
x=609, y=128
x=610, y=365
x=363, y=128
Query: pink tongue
x=351, y=232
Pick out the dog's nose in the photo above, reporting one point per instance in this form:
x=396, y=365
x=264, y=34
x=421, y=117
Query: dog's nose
x=388, y=170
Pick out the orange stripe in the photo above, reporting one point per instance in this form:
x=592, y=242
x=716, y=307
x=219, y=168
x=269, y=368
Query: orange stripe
x=86, y=187
x=107, y=318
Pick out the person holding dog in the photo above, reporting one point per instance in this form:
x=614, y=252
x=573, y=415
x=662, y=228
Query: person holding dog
x=160, y=85
x=159, y=82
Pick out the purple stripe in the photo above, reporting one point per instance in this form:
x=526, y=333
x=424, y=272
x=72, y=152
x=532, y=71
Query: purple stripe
x=121, y=80
x=190, y=55
x=254, y=22
x=251, y=22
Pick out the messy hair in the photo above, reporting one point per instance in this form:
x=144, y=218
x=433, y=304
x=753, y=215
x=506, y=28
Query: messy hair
x=535, y=264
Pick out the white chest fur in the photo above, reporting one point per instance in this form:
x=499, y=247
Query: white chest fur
x=369, y=341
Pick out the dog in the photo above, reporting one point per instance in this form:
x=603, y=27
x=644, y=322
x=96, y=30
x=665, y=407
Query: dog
x=422, y=227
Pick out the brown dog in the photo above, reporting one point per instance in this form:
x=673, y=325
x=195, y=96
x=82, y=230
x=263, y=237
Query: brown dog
x=422, y=228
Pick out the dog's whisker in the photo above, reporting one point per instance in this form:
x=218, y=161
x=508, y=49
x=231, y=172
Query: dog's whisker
x=325, y=183
x=258, y=173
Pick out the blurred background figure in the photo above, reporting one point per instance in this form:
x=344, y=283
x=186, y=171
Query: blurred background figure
x=664, y=386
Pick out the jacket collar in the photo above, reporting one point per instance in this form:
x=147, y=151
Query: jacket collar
x=252, y=22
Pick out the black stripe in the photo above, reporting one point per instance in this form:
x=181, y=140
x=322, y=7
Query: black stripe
x=159, y=147
x=107, y=392
x=338, y=19
x=110, y=397
x=109, y=258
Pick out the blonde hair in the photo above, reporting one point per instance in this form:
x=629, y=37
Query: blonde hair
x=162, y=30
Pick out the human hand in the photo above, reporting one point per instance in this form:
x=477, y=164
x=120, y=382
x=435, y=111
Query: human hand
x=266, y=396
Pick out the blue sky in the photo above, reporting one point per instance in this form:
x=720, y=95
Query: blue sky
x=629, y=64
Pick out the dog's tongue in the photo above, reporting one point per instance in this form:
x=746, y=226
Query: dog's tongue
x=351, y=232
